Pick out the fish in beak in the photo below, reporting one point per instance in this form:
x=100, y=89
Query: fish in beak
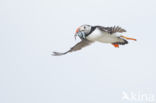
x=79, y=33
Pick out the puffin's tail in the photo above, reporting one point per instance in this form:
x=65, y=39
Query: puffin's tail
x=122, y=40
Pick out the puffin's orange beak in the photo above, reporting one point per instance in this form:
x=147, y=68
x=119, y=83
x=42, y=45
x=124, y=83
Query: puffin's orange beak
x=77, y=30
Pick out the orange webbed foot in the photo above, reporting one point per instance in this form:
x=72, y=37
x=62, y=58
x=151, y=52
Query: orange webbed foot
x=128, y=38
x=116, y=45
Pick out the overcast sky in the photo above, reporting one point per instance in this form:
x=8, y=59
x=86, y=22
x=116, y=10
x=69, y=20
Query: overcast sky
x=31, y=29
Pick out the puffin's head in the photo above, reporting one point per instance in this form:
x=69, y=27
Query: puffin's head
x=83, y=30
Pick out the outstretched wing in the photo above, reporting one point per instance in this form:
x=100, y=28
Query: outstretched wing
x=76, y=47
x=111, y=30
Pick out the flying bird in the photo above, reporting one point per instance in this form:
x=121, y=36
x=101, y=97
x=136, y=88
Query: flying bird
x=90, y=34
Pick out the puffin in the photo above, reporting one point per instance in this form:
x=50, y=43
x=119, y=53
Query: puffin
x=89, y=34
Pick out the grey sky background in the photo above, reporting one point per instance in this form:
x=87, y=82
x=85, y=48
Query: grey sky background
x=31, y=29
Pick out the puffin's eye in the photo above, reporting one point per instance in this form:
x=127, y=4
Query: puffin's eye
x=84, y=27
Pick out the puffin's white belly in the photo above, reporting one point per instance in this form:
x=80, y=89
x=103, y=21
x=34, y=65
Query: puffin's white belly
x=95, y=35
x=101, y=36
x=108, y=38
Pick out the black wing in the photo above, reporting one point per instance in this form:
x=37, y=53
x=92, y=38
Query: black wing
x=76, y=47
x=111, y=30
